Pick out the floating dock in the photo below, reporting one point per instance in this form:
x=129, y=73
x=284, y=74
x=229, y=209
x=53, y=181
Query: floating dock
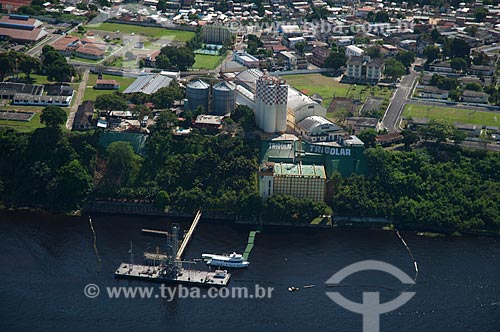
x=159, y=274
x=167, y=267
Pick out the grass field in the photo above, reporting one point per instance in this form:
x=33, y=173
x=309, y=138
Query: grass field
x=329, y=88
x=181, y=36
x=31, y=125
x=452, y=114
x=203, y=61
x=91, y=94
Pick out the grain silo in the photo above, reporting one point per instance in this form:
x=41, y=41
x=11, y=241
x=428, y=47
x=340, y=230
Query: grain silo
x=223, y=98
x=271, y=104
x=198, y=94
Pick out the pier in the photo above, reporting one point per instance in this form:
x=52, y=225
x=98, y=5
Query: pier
x=167, y=267
x=147, y=231
x=251, y=241
x=188, y=236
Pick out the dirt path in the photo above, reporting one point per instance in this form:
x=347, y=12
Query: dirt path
x=78, y=99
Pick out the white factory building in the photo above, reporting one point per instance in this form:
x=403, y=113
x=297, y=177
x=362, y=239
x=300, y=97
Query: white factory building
x=298, y=106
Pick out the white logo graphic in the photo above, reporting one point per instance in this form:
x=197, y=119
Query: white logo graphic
x=371, y=308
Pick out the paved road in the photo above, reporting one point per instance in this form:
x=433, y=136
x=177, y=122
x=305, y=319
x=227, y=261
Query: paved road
x=400, y=98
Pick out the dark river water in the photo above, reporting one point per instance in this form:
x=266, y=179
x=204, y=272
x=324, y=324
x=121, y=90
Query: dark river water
x=46, y=261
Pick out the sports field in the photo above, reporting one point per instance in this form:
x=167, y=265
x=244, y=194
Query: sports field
x=153, y=32
x=203, y=61
x=452, y=115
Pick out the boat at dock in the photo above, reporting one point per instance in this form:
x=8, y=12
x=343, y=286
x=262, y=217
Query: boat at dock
x=232, y=260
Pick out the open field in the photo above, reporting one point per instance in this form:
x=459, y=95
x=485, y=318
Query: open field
x=328, y=88
x=452, y=114
x=203, y=61
x=91, y=94
x=177, y=35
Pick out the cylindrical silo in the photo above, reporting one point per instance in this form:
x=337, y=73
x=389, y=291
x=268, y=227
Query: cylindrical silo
x=223, y=98
x=281, y=106
x=198, y=94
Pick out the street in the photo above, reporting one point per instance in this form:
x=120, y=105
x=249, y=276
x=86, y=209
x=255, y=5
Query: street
x=400, y=98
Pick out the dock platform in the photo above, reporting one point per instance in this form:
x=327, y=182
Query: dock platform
x=185, y=276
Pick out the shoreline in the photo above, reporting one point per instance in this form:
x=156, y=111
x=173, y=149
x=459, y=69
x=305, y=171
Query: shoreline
x=340, y=222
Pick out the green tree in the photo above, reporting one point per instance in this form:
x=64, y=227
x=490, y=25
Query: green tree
x=110, y=102
x=336, y=60
x=53, y=116
x=28, y=65
x=244, y=115
x=72, y=185
x=432, y=53
x=458, y=64
x=373, y=51
x=393, y=69
x=406, y=58
x=7, y=65
x=368, y=137
x=480, y=13
x=122, y=164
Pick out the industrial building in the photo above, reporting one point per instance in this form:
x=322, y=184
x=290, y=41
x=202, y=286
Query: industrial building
x=149, y=83
x=36, y=95
x=223, y=98
x=271, y=104
x=319, y=129
x=21, y=29
x=198, y=94
x=345, y=156
x=299, y=106
x=297, y=180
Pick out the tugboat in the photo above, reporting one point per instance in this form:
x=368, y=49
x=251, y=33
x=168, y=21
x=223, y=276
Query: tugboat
x=233, y=260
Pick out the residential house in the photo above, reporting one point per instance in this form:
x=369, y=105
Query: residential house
x=476, y=97
x=83, y=116
x=353, y=50
x=106, y=85
x=319, y=56
x=481, y=70
x=432, y=92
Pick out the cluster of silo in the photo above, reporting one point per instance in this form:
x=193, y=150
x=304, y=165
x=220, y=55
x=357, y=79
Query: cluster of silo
x=198, y=94
x=223, y=96
x=271, y=97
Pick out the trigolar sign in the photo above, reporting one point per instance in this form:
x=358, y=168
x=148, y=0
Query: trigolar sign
x=329, y=150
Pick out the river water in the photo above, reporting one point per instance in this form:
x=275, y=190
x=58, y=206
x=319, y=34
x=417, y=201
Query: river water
x=46, y=261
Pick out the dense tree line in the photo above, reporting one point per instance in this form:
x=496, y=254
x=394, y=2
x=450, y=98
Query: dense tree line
x=183, y=174
x=46, y=168
x=426, y=188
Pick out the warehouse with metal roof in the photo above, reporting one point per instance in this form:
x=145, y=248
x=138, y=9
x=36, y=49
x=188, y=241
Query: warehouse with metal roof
x=149, y=83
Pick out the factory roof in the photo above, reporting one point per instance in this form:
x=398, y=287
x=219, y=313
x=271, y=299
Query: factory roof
x=299, y=170
x=297, y=99
x=149, y=83
x=312, y=123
